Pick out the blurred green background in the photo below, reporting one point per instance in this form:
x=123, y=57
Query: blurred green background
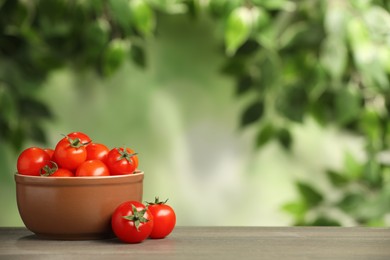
x=269, y=112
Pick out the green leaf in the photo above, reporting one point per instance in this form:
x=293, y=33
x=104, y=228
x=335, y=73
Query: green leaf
x=96, y=36
x=238, y=27
x=361, y=5
x=243, y=85
x=96, y=6
x=373, y=173
x=220, y=8
x=274, y=4
x=33, y=108
x=370, y=125
x=322, y=108
x=292, y=33
x=350, y=202
x=336, y=17
x=138, y=55
x=309, y=194
x=266, y=133
x=373, y=206
x=348, y=104
x=285, y=138
x=359, y=39
x=8, y=106
x=365, y=53
x=120, y=12
x=376, y=223
x=143, y=16
x=292, y=102
x=325, y=221
x=252, y=113
x=337, y=179
x=248, y=49
x=374, y=75
x=352, y=167
x=261, y=18
x=334, y=57
x=114, y=55
x=36, y=133
x=384, y=58
x=17, y=137
x=170, y=6
x=297, y=208
x=377, y=20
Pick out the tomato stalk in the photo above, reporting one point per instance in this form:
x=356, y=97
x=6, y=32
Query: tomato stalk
x=47, y=170
x=137, y=217
x=124, y=154
x=157, y=201
x=76, y=142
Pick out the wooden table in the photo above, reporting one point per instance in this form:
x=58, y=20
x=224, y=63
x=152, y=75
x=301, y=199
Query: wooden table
x=211, y=243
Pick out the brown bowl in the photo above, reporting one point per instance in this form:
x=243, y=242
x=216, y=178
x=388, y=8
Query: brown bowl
x=74, y=208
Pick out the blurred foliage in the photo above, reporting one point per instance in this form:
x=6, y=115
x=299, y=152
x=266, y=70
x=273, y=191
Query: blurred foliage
x=329, y=60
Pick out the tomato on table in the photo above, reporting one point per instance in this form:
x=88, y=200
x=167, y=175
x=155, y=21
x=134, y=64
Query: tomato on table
x=32, y=160
x=122, y=161
x=92, y=168
x=164, y=218
x=69, y=153
x=132, y=222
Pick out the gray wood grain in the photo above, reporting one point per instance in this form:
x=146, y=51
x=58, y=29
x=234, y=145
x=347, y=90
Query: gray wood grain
x=211, y=243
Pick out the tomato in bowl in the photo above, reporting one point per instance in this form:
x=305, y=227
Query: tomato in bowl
x=74, y=208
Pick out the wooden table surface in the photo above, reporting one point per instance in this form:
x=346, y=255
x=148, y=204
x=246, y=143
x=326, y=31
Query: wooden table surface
x=211, y=243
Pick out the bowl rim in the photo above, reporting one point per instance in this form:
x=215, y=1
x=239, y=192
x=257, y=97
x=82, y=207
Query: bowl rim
x=78, y=180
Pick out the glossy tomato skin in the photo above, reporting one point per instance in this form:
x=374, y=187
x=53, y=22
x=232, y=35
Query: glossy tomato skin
x=49, y=151
x=32, y=160
x=92, y=168
x=84, y=138
x=67, y=156
x=164, y=219
x=97, y=151
x=126, y=229
x=61, y=172
x=122, y=161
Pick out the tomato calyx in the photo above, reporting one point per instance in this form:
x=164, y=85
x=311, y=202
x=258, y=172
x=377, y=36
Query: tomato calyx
x=49, y=170
x=157, y=201
x=76, y=142
x=124, y=154
x=137, y=217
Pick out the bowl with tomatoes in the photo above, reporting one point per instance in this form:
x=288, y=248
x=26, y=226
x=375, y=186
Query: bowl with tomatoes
x=70, y=192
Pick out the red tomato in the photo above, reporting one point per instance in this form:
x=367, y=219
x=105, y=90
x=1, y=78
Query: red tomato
x=122, y=161
x=61, y=172
x=49, y=151
x=97, y=152
x=92, y=168
x=32, y=160
x=164, y=218
x=85, y=139
x=132, y=222
x=69, y=153
x=54, y=171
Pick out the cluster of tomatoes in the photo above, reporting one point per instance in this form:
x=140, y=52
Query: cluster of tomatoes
x=76, y=155
x=133, y=222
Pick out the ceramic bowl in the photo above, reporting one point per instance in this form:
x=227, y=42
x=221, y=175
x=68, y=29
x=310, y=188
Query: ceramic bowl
x=74, y=208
